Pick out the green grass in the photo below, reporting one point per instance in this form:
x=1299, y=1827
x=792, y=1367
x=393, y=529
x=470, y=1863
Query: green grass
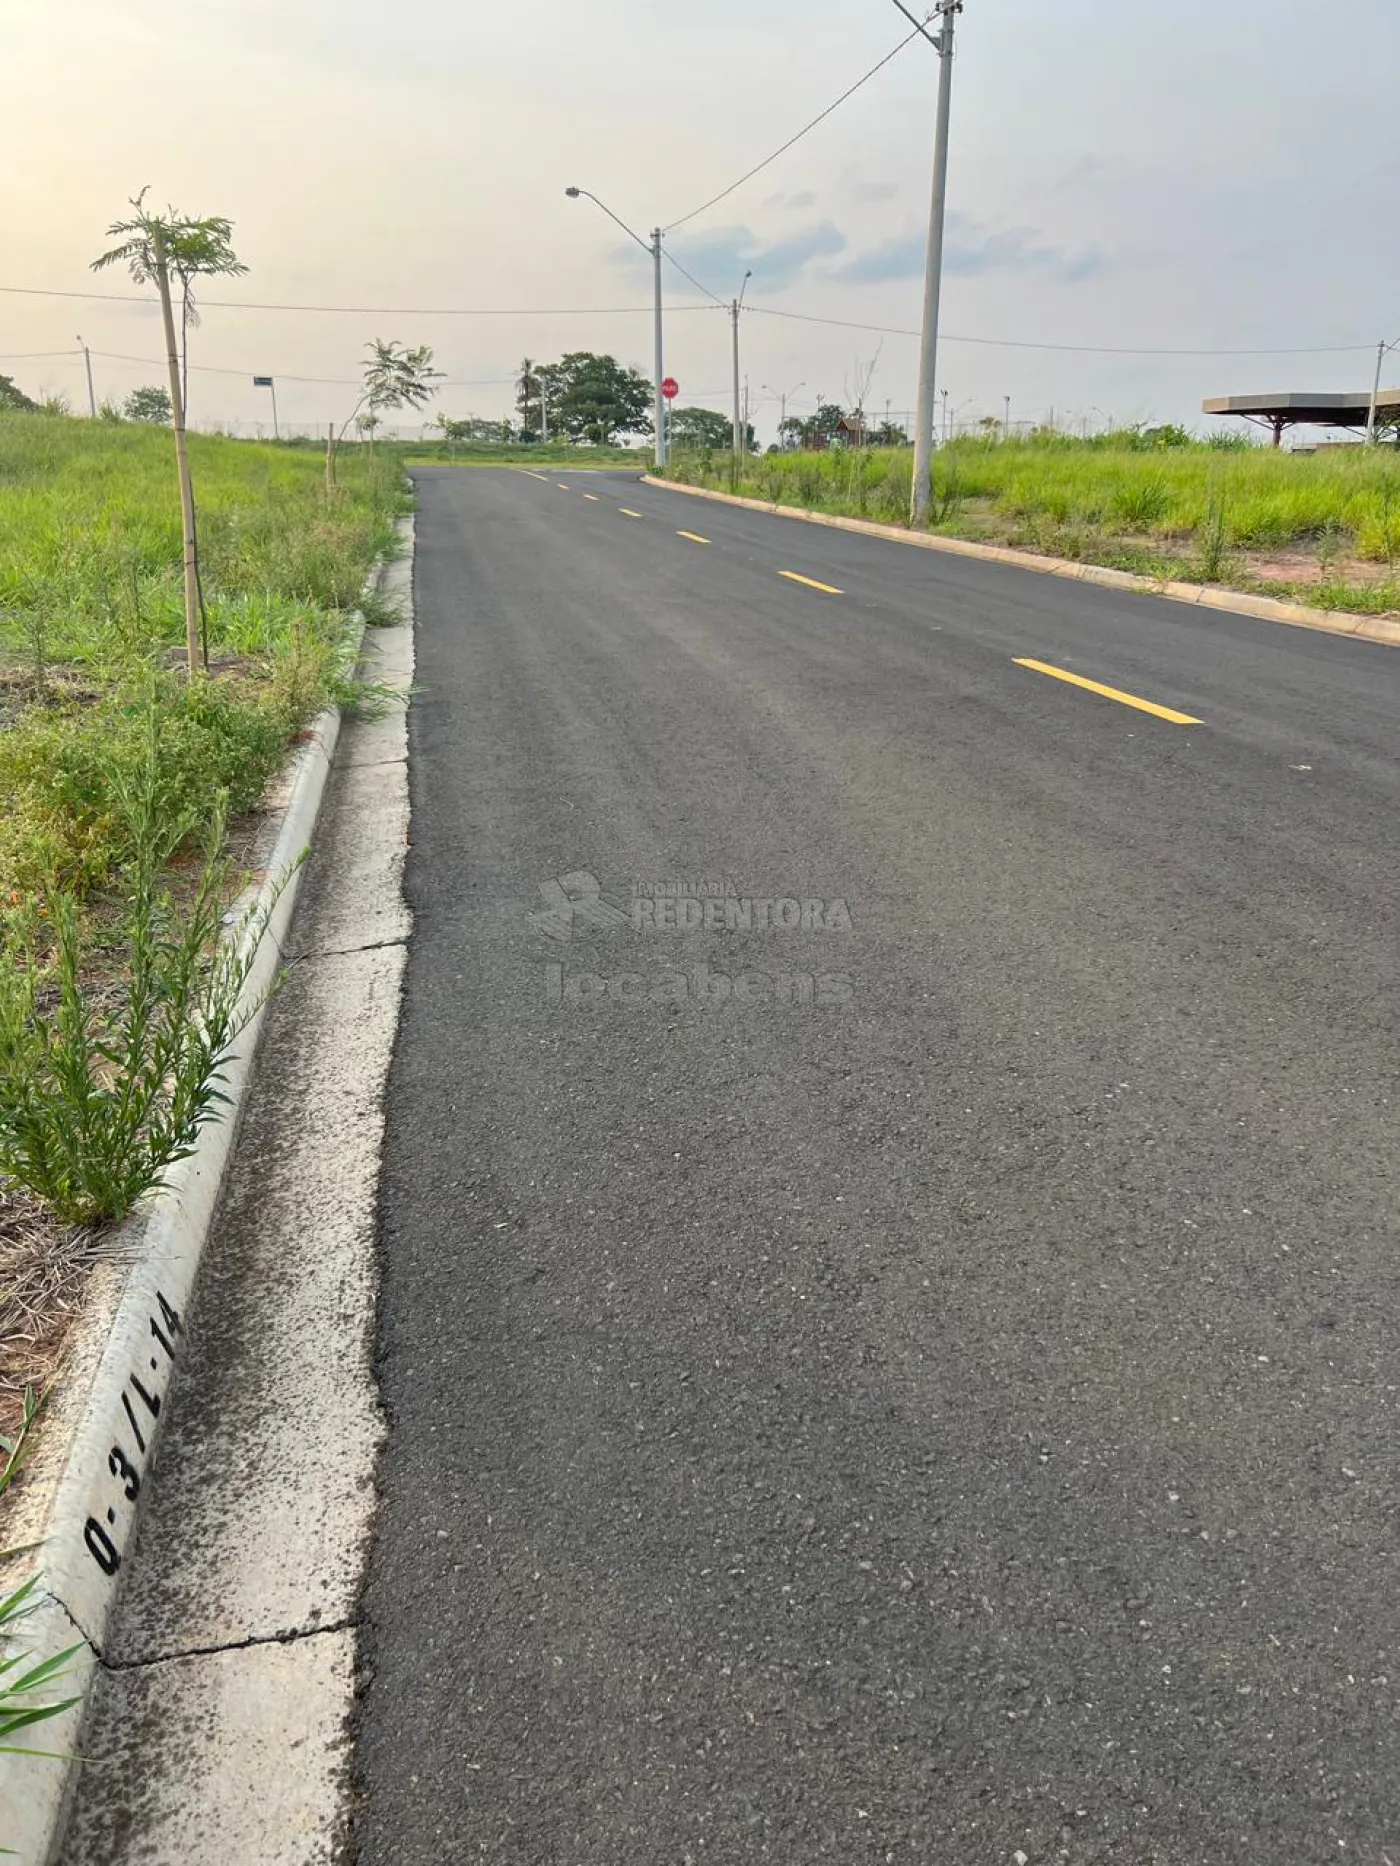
x=91, y=626
x=1197, y=511
x=90, y=539
x=115, y=766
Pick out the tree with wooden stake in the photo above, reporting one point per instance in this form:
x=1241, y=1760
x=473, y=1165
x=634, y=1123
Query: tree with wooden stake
x=155, y=248
x=395, y=377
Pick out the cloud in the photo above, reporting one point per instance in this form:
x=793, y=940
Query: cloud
x=971, y=249
x=791, y=201
x=872, y=190
x=721, y=258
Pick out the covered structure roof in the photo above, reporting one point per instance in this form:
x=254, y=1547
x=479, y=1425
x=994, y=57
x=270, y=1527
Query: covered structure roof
x=1277, y=412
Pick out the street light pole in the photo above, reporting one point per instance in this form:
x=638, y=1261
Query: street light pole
x=92, y=399
x=652, y=246
x=933, y=271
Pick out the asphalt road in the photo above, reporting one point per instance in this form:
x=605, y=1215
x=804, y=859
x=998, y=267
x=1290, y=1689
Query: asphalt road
x=944, y=1413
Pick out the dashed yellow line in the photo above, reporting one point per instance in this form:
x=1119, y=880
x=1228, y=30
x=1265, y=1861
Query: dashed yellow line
x=562, y=487
x=694, y=537
x=1110, y=693
x=627, y=512
x=591, y=495
x=539, y=476
x=827, y=589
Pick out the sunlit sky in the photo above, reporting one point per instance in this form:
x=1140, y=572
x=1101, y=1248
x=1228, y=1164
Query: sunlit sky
x=1212, y=175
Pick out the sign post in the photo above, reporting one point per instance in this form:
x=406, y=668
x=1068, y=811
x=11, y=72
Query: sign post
x=670, y=388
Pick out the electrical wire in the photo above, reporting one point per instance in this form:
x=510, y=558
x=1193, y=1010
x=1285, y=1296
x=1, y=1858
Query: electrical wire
x=1078, y=349
x=749, y=174
x=237, y=304
x=801, y=317
x=671, y=260
x=222, y=369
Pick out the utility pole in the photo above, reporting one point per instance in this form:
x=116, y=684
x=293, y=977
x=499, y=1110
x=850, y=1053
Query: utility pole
x=1376, y=392
x=1006, y=424
x=945, y=417
x=92, y=399
x=782, y=395
x=933, y=271
x=658, y=400
x=652, y=246
x=735, y=306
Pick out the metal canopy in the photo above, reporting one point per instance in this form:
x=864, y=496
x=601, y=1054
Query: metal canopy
x=1298, y=409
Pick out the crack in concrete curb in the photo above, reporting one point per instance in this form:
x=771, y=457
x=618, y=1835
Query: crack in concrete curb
x=1382, y=629
x=298, y=1635
x=93, y=1502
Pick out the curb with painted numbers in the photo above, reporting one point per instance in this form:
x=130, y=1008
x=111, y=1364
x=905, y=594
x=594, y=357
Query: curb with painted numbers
x=78, y=1511
x=1202, y=595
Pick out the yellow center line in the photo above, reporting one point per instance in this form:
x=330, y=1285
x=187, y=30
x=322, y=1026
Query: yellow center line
x=562, y=487
x=827, y=588
x=1110, y=693
x=591, y=495
x=539, y=476
x=627, y=512
x=694, y=537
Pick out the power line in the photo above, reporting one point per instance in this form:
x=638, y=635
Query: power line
x=671, y=260
x=1080, y=349
x=222, y=369
x=802, y=317
x=238, y=304
x=749, y=174
x=22, y=356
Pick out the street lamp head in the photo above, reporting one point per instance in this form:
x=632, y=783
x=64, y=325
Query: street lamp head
x=572, y=193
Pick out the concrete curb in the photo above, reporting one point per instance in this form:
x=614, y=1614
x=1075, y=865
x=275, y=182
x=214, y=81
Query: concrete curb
x=78, y=1526
x=1203, y=595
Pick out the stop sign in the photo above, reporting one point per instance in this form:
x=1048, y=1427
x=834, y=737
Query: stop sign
x=670, y=388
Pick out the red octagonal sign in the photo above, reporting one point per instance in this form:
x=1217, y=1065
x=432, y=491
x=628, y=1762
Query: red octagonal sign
x=670, y=388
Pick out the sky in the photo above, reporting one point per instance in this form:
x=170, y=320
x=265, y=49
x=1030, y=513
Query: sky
x=1125, y=177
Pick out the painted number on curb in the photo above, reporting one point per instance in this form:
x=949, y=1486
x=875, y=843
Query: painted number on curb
x=141, y=1403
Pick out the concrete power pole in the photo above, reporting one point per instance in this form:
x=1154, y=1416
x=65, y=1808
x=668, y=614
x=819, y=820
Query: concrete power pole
x=735, y=306
x=658, y=400
x=1376, y=392
x=933, y=272
x=92, y=399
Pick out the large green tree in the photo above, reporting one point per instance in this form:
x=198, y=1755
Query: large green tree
x=826, y=421
x=593, y=398
x=15, y=399
x=701, y=427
